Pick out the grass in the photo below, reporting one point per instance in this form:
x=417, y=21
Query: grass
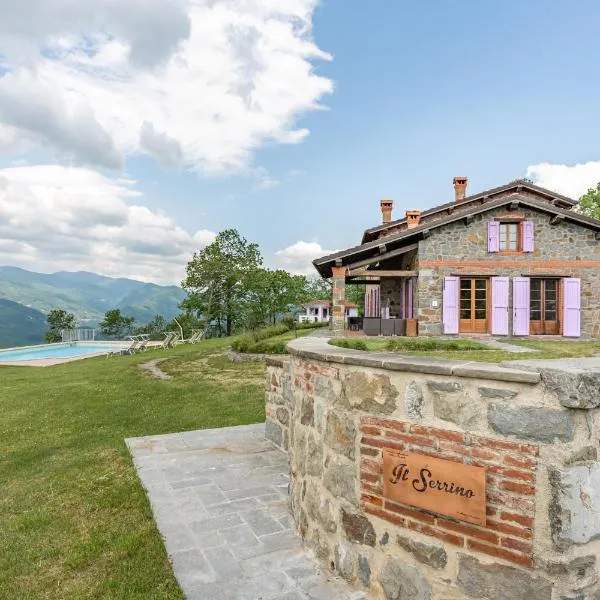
x=472, y=350
x=272, y=340
x=74, y=519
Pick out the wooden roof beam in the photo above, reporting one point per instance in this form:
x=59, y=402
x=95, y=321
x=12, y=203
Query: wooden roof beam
x=382, y=273
x=375, y=259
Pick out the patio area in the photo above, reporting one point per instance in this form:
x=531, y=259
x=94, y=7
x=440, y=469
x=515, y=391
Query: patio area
x=220, y=499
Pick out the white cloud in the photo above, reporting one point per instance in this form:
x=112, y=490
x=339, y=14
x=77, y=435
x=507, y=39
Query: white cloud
x=298, y=257
x=570, y=180
x=195, y=83
x=54, y=218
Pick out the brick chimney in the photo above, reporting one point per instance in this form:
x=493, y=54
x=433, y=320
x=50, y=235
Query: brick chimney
x=460, y=188
x=413, y=218
x=386, y=210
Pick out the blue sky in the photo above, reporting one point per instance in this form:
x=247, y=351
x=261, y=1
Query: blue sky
x=409, y=95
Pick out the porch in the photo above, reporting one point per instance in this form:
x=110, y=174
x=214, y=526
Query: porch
x=390, y=280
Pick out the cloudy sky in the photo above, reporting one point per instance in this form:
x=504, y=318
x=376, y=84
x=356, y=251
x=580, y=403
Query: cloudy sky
x=133, y=130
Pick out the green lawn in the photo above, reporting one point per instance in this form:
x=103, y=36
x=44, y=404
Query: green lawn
x=74, y=520
x=472, y=350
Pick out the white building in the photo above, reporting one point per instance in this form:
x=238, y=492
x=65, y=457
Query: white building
x=318, y=311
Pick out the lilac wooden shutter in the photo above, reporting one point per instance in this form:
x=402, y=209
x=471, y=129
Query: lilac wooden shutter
x=527, y=231
x=572, y=307
x=493, y=236
x=500, y=305
x=450, y=307
x=520, y=305
x=409, y=308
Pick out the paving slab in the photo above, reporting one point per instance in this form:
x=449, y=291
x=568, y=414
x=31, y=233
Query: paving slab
x=219, y=497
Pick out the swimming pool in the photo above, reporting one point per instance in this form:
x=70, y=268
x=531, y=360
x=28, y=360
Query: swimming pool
x=57, y=351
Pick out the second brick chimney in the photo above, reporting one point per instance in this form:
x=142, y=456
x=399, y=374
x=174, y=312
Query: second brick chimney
x=386, y=210
x=413, y=218
x=460, y=188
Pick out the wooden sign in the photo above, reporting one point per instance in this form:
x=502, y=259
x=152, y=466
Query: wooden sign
x=442, y=486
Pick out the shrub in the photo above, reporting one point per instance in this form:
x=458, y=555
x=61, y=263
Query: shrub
x=424, y=344
x=413, y=344
x=350, y=343
x=288, y=319
x=266, y=347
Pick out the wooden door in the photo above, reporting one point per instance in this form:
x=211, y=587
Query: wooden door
x=543, y=307
x=473, y=309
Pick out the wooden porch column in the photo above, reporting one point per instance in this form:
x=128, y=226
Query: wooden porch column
x=338, y=310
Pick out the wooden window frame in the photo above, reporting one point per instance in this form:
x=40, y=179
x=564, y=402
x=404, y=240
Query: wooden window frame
x=488, y=325
x=559, y=304
x=519, y=225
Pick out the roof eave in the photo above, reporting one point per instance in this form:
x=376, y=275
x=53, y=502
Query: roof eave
x=325, y=263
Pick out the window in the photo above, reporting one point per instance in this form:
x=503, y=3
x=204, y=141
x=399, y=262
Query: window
x=510, y=237
x=473, y=305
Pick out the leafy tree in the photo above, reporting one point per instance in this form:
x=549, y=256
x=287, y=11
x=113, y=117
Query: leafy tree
x=58, y=320
x=273, y=293
x=356, y=294
x=219, y=278
x=115, y=324
x=317, y=289
x=589, y=203
x=154, y=328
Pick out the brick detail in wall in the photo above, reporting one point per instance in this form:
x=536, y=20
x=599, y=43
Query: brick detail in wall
x=510, y=473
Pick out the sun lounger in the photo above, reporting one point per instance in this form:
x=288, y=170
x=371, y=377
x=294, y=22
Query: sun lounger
x=134, y=343
x=144, y=339
x=197, y=335
x=169, y=341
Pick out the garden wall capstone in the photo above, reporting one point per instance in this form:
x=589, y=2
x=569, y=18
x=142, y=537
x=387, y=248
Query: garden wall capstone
x=336, y=411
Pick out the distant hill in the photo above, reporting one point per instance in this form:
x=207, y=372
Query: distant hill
x=87, y=295
x=19, y=325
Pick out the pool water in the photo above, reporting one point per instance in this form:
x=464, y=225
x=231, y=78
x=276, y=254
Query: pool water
x=56, y=351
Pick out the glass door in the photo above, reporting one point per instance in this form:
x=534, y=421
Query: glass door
x=543, y=306
x=473, y=309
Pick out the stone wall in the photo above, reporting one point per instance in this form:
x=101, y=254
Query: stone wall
x=560, y=250
x=535, y=428
x=278, y=401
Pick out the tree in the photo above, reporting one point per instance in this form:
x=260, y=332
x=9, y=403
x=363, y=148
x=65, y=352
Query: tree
x=589, y=203
x=218, y=280
x=273, y=292
x=58, y=320
x=154, y=328
x=115, y=324
x=317, y=289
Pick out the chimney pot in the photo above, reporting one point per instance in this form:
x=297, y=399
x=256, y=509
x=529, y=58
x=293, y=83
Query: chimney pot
x=413, y=218
x=460, y=188
x=386, y=210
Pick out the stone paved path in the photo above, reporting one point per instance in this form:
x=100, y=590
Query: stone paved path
x=219, y=497
x=501, y=345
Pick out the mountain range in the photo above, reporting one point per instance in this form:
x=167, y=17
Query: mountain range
x=26, y=297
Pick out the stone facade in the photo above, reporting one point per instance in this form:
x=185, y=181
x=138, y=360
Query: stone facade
x=277, y=401
x=456, y=248
x=542, y=533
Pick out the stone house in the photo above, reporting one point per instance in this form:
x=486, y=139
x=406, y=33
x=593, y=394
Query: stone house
x=516, y=260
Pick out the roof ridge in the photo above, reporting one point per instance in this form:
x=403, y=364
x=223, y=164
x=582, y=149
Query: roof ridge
x=472, y=198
